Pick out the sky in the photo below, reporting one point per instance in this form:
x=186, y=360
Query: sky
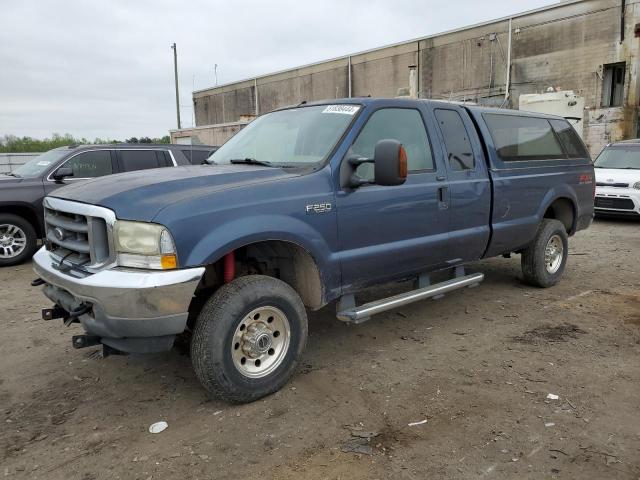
x=104, y=68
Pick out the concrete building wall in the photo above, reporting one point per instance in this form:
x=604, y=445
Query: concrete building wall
x=564, y=46
x=10, y=161
x=208, y=135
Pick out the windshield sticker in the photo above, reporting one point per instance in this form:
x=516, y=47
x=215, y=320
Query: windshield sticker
x=43, y=163
x=344, y=109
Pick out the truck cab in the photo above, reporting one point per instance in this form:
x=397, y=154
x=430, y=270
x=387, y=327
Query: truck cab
x=306, y=206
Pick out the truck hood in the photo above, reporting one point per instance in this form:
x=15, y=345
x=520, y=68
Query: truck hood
x=617, y=175
x=141, y=195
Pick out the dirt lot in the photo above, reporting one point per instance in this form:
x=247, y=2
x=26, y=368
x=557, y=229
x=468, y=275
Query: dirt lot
x=476, y=365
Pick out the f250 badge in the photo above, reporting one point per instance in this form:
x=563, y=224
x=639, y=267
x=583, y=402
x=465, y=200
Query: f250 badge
x=319, y=208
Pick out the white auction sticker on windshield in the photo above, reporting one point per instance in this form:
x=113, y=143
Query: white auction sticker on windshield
x=344, y=109
x=44, y=163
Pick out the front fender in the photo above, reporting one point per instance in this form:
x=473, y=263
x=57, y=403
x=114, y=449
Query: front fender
x=240, y=232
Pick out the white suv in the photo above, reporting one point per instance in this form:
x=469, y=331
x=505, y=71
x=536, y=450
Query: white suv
x=618, y=179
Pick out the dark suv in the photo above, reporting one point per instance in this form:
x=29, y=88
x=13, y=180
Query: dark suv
x=22, y=190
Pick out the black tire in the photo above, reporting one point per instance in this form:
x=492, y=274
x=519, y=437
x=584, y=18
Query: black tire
x=30, y=236
x=534, y=266
x=217, y=324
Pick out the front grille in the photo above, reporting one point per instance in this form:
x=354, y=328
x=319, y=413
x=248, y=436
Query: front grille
x=617, y=203
x=616, y=185
x=78, y=235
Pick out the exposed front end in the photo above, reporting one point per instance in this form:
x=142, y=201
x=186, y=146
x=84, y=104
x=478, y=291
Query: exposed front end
x=136, y=310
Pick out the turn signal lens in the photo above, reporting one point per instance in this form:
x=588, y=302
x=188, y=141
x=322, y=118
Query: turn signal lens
x=402, y=160
x=168, y=262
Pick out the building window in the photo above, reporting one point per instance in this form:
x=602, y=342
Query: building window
x=613, y=84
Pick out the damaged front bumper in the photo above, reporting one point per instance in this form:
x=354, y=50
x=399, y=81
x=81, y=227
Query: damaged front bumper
x=135, y=311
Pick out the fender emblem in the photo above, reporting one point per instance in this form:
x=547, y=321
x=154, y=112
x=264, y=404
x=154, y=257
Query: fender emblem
x=318, y=208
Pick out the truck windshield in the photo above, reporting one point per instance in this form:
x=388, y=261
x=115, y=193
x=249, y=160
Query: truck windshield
x=288, y=138
x=625, y=157
x=38, y=165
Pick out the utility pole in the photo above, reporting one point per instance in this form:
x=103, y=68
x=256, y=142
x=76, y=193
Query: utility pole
x=175, y=72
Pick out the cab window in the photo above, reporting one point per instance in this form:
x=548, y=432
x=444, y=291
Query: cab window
x=456, y=140
x=402, y=124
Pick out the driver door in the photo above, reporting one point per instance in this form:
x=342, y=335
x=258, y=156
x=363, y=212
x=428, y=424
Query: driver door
x=391, y=232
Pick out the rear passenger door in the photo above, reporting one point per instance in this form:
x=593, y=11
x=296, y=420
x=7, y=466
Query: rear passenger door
x=470, y=189
x=142, y=159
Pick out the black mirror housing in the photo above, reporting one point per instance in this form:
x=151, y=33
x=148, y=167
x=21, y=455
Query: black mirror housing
x=62, y=173
x=389, y=163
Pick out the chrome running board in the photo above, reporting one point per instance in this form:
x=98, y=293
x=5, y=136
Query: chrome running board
x=364, y=312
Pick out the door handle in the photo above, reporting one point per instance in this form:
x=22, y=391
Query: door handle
x=441, y=178
x=442, y=198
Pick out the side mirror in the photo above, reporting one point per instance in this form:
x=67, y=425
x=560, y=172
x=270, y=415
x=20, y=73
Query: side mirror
x=389, y=163
x=62, y=173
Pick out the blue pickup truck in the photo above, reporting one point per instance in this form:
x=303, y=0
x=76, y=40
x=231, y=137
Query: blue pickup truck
x=309, y=205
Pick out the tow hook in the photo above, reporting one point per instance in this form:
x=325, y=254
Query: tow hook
x=53, y=313
x=37, y=282
x=69, y=317
x=83, y=341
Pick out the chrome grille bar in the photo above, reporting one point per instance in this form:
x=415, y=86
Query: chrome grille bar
x=79, y=236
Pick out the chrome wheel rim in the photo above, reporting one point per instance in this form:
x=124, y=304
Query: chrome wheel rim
x=13, y=240
x=553, y=254
x=261, y=342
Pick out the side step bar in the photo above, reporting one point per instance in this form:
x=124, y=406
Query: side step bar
x=364, y=312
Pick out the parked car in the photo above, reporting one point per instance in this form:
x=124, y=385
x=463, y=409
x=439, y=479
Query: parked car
x=22, y=191
x=618, y=179
x=306, y=206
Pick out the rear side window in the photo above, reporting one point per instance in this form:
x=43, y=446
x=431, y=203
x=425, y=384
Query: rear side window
x=196, y=157
x=456, y=140
x=569, y=139
x=141, y=159
x=523, y=138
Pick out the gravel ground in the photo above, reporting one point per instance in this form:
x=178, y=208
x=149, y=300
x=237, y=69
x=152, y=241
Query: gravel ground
x=453, y=388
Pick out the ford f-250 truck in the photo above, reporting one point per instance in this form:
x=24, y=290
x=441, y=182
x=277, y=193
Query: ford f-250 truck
x=305, y=206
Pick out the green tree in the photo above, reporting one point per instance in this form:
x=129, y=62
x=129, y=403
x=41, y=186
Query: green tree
x=14, y=144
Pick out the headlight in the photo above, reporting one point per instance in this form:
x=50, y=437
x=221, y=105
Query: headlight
x=144, y=245
x=636, y=185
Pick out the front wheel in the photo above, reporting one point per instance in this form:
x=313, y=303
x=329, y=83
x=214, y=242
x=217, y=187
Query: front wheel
x=248, y=338
x=18, y=240
x=543, y=262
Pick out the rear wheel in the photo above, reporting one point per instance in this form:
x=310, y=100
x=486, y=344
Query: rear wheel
x=543, y=262
x=248, y=338
x=18, y=240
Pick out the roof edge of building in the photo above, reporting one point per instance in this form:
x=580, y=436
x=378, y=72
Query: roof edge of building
x=553, y=6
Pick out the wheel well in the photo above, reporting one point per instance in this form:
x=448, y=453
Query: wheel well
x=25, y=212
x=562, y=209
x=279, y=259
